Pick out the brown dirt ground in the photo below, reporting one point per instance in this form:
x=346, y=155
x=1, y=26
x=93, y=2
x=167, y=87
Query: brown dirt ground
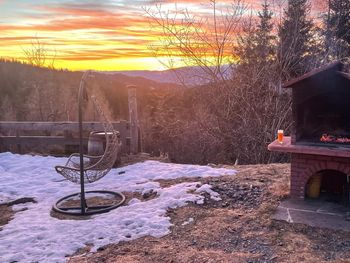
x=237, y=229
x=6, y=214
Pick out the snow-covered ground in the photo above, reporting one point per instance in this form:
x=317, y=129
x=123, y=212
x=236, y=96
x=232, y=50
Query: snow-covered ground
x=34, y=236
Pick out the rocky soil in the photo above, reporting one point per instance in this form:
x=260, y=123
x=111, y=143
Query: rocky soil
x=238, y=228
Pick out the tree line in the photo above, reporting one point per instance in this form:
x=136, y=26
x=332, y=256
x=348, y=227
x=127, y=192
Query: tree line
x=233, y=119
x=229, y=119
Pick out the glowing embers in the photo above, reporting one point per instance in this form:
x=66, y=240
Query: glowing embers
x=334, y=139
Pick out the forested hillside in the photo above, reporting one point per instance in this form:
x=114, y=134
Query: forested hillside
x=30, y=93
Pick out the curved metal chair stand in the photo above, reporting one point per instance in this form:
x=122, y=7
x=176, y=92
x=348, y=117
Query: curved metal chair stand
x=91, y=209
x=83, y=169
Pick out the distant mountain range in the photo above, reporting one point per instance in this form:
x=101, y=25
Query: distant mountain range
x=188, y=76
x=166, y=76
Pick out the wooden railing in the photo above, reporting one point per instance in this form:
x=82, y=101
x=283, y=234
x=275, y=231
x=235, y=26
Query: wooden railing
x=19, y=136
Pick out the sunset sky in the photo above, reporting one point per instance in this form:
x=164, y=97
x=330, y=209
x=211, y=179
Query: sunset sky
x=91, y=34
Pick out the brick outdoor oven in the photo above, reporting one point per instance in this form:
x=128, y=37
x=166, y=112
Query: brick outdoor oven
x=320, y=138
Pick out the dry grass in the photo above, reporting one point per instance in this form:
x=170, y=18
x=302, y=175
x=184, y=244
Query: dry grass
x=237, y=229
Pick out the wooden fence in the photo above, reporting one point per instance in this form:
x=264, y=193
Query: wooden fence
x=21, y=136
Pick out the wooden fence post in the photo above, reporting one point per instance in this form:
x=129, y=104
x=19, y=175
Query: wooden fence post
x=68, y=148
x=18, y=138
x=134, y=122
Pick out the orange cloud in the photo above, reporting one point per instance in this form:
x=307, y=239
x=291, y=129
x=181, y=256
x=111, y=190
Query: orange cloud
x=97, y=31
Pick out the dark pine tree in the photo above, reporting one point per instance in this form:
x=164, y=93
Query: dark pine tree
x=258, y=47
x=264, y=36
x=257, y=53
x=337, y=33
x=295, y=48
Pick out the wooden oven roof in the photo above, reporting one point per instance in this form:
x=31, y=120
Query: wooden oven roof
x=335, y=67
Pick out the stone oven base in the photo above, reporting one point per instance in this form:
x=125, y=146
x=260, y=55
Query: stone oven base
x=303, y=166
x=306, y=161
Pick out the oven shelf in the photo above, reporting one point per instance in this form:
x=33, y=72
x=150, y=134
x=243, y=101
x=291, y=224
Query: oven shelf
x=287, y=147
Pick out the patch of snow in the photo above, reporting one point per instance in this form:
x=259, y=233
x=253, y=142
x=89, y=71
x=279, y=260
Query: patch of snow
x=20, y=207
x=134, y=200
x=4, y=199
x=200, y=202
x=206, y=188
x=189, y=221
x=33, y=235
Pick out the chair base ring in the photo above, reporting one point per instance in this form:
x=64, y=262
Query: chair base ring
x=118, y=200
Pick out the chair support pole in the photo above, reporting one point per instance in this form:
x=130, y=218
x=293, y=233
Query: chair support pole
x=81, y=148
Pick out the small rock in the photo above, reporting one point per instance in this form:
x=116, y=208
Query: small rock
x=264, y=244
x=274, y=257
x=347, y=216
x=231, y=230
x=225, y=204
x=147, y=195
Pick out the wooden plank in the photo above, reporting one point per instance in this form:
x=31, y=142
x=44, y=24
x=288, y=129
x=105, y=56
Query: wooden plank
x=68, y=129
x=39, y=140
x=124, y=133
x=56, y=126
x=19, y=148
